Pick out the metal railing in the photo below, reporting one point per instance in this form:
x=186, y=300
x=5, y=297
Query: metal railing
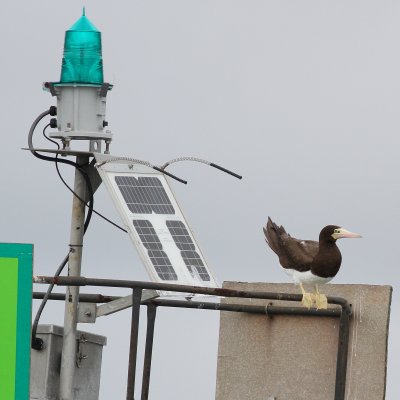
x=343, y=313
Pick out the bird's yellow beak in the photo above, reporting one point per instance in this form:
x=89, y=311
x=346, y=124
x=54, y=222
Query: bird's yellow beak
x=340, y=233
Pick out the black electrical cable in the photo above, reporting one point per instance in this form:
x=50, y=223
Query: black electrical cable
x=96, y=212
x=36, y=342
x=70, y=189
x=68, y=162
x=50, y=140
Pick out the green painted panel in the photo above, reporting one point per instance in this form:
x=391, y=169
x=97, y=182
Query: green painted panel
x=15, y=326
x=8, y=332
x=24, y=323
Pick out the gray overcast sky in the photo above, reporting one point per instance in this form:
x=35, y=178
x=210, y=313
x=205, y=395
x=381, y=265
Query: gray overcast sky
x=300, y=97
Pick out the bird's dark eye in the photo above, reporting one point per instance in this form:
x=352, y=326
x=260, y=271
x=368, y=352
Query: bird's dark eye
x=337, y=230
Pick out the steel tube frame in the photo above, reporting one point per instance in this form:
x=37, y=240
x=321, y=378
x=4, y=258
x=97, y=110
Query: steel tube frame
x=170, y=287
x=268, y=310
x=341, y=361
x=148, y=352
x=344, y=327
x=137, y=297
x=344, y=316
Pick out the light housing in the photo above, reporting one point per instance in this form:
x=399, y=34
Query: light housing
x=82, y=61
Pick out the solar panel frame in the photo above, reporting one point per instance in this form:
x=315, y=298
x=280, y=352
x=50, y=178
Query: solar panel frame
x=124, y=169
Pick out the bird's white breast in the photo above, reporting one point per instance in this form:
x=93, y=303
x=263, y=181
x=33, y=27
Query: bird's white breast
x=305, y=277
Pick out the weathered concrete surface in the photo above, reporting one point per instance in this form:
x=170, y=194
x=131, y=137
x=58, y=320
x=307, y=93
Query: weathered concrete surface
x=294, y=357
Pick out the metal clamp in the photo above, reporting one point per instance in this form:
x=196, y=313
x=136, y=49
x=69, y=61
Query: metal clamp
x=79, y=355
x=268, y=314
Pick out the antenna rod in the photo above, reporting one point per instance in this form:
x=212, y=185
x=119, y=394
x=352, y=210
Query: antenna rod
x=200, y=160
x=170, y=175
x=225, y=170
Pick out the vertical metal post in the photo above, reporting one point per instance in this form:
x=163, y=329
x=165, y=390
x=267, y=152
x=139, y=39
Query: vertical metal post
x=151, y=317
x=68, y=358
x=341, y=363
x=137, y=297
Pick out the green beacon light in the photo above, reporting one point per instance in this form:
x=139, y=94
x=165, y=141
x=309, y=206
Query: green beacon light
x=81, y=92
x=82, y=61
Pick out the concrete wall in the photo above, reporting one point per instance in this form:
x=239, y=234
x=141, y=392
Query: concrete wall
x=294, y=357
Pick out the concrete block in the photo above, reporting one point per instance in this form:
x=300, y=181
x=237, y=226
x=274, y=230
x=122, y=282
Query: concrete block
x=294, y=357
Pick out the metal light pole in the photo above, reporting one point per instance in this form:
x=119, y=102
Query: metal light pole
x=81, y=103
x=68, y=358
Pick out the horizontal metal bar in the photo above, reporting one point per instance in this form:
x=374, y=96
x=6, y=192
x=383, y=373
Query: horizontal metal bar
x=268, y=310
x=82, y=281
x=123, y=303
x=83, y=298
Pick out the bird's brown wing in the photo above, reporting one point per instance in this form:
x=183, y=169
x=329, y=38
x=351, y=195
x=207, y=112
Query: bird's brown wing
x=292, y=252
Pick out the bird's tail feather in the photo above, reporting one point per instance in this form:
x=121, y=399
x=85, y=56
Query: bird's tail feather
x=272, y=233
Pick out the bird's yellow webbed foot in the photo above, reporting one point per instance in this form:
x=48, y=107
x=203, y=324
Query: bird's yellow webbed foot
x=321, y=301
x=307, y=299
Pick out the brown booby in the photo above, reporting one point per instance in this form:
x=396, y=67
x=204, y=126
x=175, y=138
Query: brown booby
x=308, y=261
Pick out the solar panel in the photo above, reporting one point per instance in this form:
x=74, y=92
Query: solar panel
x=188, y=249
x=157, y=255
x=144, y=195
x=155, y=223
